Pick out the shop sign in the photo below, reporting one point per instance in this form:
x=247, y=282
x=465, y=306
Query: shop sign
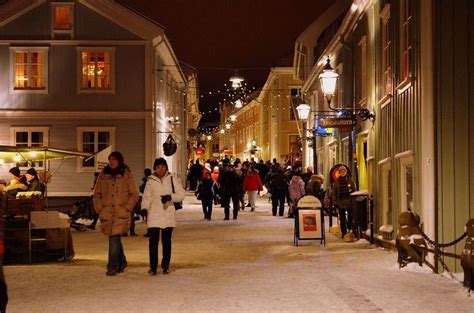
x=337, y=122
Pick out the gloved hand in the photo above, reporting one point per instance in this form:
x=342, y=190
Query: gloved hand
x=165, y=198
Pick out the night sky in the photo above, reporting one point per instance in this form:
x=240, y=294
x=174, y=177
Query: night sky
x=219, y=36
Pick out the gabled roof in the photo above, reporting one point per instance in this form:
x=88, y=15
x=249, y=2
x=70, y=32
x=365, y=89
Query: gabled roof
x=16, y=8
x=127, y=18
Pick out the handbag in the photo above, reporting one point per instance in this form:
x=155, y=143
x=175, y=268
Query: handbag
x=177, y=205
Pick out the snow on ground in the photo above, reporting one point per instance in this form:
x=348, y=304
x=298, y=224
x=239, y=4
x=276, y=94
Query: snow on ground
x=248, y=265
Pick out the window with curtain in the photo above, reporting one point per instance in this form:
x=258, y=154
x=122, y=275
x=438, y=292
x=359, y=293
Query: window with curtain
x=96, y=70
x=386, y=46
x=29, y=69
x=62, y=17
x=406, y=33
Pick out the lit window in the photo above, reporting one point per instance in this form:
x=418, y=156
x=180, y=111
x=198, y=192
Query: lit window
x=362, y=81
x=406, y=33
x=30, y=69
x=386, y=51
x=93, y=139
x=62, y=20
x=96, y=69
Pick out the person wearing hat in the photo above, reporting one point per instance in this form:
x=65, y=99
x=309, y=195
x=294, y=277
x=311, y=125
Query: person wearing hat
x=115, y=196
x=34, y=183
x=17, y=182
x=341, y=197
x=315, y=187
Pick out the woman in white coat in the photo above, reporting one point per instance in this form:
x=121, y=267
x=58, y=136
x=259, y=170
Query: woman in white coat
x=158, y=200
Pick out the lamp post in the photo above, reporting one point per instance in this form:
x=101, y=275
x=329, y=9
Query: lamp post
x=303, y=113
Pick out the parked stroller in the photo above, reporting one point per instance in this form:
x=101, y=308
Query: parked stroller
x=83, y=214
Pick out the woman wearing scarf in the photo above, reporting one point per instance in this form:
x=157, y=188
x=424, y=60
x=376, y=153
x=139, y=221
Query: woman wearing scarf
x=115, y=196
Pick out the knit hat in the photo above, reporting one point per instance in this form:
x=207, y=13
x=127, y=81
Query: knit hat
x=32, y=172
x=15, y=171
x=207, y=166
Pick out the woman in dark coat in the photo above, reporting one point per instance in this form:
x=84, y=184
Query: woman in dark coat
x=205, y=194
x=341, y=197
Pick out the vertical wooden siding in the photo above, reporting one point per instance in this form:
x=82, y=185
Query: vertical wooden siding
x=455, y=119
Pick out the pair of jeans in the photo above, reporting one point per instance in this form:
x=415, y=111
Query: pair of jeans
x=207, y=208
x=154, y=233
x=117, y=259
x=345, y=224
x=278, y=200
x=235, y=202
x=252, y=196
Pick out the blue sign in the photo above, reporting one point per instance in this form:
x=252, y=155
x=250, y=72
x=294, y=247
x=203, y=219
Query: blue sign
x=322, y=131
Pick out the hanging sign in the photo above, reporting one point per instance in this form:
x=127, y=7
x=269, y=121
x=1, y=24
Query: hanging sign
x=337, y=122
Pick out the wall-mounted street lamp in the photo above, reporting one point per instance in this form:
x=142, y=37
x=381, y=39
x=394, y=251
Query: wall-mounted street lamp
x=238, y=104
x=328, y=80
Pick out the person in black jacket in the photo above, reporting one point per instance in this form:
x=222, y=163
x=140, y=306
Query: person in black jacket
x=205, y=194
x=229, y=188
x=278, y=188
x=34, y=183
x=195, y=174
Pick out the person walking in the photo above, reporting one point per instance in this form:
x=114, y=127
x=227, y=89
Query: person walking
x=315, y=187
x=195, y=174
x=205, y=194
x=278, y=188
x=341, y=197
x=229, y=189
x=162, y=190
x=296, y=190
x=115, y=195
x=252, y=185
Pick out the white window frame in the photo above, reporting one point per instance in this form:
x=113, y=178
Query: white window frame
x=332, y=148
x=29, y=130
x=61, y=31
x=79, y=132
x=339, y=87
x=79, y=51
x=362, y=46
x=29, y=50
x=385, y=168
x=404, y=162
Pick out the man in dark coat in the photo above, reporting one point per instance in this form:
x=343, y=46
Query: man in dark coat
x=278, y=188
x=195, y=173
x=229, y=184
x=262, y=170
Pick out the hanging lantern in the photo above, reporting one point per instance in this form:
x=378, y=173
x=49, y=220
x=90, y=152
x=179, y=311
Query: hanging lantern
x=236, y=81
x=238, y=104
x=170, y=146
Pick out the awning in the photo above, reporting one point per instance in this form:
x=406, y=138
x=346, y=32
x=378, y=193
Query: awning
x=12, y=154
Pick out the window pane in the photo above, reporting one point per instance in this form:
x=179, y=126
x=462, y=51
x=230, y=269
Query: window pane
x=88, y=70
x=389, y=197
x=88, y=163
x=88, y=137
x=409, y=186
x=21, y=70
x=62, y=17
x=22, y=138
x=104, y=137
x=37, y=139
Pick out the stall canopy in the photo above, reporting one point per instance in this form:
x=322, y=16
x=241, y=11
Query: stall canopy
x=12, y=154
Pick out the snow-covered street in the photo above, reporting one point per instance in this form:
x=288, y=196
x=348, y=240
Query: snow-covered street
x=248, y=265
